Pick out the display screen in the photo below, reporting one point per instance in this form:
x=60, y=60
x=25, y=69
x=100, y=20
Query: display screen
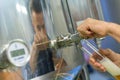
x=17, y=52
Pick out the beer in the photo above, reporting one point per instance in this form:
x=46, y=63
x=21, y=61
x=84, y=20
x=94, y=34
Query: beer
x=117, y=77
x=112, y=68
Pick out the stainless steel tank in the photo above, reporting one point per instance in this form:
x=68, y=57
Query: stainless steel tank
x=61, y=19
x=16, y=33
x=16, y=37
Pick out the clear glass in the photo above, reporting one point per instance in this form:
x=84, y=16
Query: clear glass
x=111, y=67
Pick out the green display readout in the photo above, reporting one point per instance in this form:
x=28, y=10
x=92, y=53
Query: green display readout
x=17, y=52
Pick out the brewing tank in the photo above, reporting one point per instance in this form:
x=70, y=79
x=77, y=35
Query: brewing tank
x=16, y=33
x=61, y=18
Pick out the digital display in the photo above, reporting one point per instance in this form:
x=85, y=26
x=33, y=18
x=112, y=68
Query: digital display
x=17, y=52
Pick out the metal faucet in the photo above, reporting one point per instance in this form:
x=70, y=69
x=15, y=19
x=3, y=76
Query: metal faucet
x=66, y=40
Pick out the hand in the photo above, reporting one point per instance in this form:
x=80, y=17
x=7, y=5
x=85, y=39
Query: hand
x=13, y=75
x=93, y=28
x=115, y=57
x=39, y=38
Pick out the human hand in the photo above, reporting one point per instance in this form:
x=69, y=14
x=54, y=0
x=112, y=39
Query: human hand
x=93, y=28
x=11, y=75
x=114, y=57
x=39, y=38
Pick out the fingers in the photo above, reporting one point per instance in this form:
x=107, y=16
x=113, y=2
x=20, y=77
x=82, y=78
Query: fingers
x=33, y=62
x=117, y=62
x=40, y=39
x=109, y=54
x=96, y=65
x=85, y=31
x=92, y=28
x=105, y=52
x=94, y=60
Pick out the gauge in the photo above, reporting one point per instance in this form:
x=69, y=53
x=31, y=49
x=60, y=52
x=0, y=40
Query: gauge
x=18, y=53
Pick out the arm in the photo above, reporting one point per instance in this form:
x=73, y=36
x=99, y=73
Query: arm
x=95, y=28
x=13, y=75
x=39, y=37
x=33, y=60
x=114, y=31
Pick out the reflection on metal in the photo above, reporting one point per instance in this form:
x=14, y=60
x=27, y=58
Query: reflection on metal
x=15, y=24
x=49, y=76
x=62, y=76
x=61, y=17
x=60, y=28
x=10, y=60
x=63, y=41
x=96, y=10
x=79, y=10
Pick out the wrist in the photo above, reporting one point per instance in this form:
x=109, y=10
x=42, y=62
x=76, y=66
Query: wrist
x=34, y=47
x=111, y=28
